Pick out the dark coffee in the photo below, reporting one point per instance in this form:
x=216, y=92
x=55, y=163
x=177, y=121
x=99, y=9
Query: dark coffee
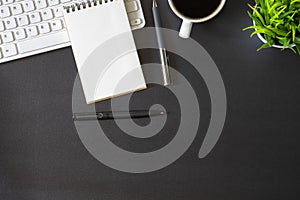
x=196, y=8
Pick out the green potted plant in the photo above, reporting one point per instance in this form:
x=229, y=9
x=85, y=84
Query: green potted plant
x=276, y=23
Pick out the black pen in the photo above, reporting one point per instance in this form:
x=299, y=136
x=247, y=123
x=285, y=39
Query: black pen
x=116, y=115
x=161, y=45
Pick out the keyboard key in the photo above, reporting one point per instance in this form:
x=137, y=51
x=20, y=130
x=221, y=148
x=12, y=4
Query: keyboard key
x=35, y=17
x=17, y=9
x=7, y=37
x=7, y=1
x=136, y=22
x=53, y=2
x=81, y=1
x=32, y=31
x=56, y=25
x=28, y=6
x=43, y=42
x=1, y=26
x=22, y=20
x=5, y=11
x=65, y=1
x=44, y=28
x=41, y=4
x=10, y=23
x=9, y=50
x=47, y=14
x=131, y=6
x=58, y=11
x=20, y=34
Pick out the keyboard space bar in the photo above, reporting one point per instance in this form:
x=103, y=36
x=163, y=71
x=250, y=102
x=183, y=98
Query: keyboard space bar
x=42, y=42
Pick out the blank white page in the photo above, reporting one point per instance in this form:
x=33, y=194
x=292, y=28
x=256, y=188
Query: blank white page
x=104, y=50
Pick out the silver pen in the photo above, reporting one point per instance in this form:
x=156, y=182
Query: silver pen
x=161, y=45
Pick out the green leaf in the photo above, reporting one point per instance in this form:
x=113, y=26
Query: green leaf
x=275, y=5
x=295, y=1
x=263, y=31
x=262, y=4
x=264, y=46
x=285, y=42
x=269, y=39
x=288, y=13
x=297, y=40
x=257, y=14
x=267, y=17
x=293, y=32
x=276, y=16
x=278, y=22
x=291, y=48
x=268, y=5
x=278, y=31
x=252, y=27
x=298, y=48
x=255, y=19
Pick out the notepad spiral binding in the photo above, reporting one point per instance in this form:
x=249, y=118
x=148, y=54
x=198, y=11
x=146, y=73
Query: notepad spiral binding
x=84, y=5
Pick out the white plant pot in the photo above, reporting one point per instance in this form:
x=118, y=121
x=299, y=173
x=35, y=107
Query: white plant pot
x=265, y=41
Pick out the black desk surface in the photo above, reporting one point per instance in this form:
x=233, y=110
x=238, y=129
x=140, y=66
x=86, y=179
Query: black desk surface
x=257, y=156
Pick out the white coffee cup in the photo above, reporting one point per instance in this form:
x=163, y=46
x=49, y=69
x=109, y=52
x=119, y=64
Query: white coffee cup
x=187, y=24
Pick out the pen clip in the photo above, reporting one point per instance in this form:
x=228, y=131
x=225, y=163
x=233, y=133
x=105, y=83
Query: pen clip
x=170, y=81
x=168, y=61
x=100, y=115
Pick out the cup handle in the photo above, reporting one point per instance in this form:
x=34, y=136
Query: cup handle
x=186, y=29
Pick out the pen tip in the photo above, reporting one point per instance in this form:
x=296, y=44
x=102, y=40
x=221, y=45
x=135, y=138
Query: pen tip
x=162, y=113
x=157, y=113
x=154, y=3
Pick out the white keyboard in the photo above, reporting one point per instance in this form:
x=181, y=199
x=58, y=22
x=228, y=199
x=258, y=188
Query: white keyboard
x=29, y=27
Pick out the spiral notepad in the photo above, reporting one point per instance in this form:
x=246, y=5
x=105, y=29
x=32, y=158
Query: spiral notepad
x=104, y=49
